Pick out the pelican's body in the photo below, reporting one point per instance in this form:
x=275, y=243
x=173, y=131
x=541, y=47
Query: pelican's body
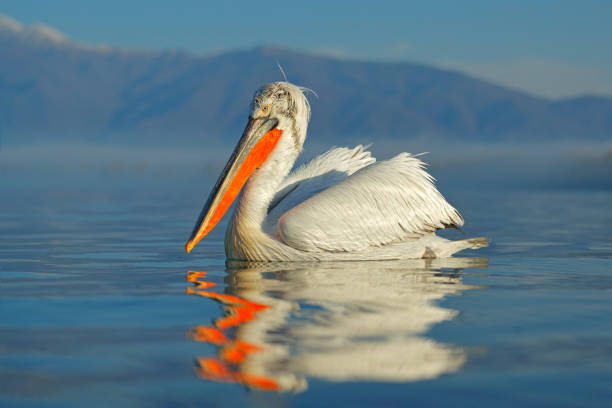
x=343, y=205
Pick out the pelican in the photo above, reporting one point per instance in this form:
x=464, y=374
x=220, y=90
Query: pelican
x=342, y=205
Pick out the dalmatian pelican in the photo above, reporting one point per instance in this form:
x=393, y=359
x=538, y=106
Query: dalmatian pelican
x=342, y=205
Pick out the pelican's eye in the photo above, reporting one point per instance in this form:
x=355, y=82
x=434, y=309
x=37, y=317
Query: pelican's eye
x=265, y=109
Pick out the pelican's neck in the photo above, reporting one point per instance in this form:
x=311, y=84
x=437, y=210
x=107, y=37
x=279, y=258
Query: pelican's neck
x=257, y=194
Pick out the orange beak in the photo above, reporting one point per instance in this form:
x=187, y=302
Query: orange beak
x=257, y=142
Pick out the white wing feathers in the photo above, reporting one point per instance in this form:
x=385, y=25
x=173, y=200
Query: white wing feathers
x=341, y=159
x=386, y=202
x=323, y=171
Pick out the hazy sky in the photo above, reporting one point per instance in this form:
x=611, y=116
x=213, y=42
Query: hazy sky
x=551, y=48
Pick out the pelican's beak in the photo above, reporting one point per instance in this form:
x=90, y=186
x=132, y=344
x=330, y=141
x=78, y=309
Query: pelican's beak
x=257, y=142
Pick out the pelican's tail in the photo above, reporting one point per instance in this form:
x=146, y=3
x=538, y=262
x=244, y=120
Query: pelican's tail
x=438, y=247
x=475, y=243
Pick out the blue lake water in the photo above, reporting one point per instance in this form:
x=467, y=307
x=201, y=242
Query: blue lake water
x=98, y=307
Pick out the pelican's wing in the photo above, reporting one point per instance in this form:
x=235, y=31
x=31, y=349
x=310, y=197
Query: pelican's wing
x=320, y=173
x=386, y=202
x=340, y=159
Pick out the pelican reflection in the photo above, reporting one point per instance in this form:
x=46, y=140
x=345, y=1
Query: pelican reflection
x=350, y=321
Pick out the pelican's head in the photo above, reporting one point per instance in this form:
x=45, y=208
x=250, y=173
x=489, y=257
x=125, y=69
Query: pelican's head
x=286, y=103
x=279, y=111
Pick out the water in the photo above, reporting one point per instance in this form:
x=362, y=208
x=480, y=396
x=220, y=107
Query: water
x=98, y=308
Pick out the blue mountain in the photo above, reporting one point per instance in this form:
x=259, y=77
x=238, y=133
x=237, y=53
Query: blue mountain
x=53, y=89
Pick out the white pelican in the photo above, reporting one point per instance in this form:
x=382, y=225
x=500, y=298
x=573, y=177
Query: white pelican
x=343, y=205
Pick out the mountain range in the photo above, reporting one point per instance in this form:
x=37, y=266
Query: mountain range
x=53, y=89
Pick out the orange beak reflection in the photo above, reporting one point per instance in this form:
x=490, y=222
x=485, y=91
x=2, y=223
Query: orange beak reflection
x=227, y=367
x=258, y=141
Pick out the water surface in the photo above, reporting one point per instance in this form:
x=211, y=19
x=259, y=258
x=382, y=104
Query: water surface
x=100, y=305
